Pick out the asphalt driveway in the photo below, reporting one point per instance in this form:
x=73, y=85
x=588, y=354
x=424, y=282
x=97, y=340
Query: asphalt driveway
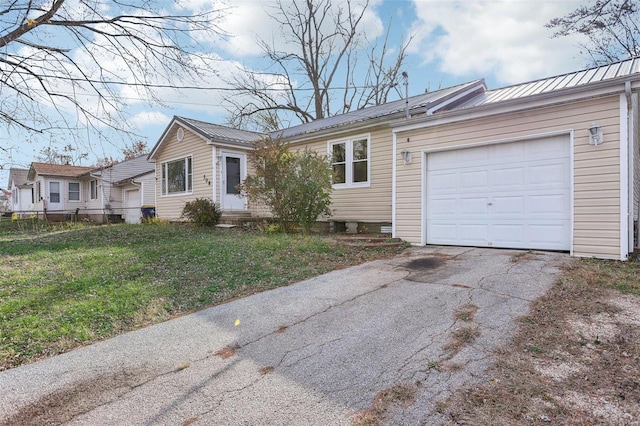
x=387, y=339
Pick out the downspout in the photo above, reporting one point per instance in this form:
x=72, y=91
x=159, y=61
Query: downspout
x=633, y=149
x=631, y=163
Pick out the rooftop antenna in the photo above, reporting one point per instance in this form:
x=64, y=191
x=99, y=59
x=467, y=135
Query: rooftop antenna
x=406, y=88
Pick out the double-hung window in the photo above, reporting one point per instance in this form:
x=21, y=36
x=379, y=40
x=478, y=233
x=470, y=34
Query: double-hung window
x=350, y=161
x=74, y=191
x=177, y=176
x=93, y=189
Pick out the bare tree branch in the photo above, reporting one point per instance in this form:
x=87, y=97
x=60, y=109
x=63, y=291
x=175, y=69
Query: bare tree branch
x=612, y=27
x=324, y=45
x=55, y=54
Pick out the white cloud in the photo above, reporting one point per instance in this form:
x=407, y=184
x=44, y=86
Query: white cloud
x=150, y=118
x=505, y=38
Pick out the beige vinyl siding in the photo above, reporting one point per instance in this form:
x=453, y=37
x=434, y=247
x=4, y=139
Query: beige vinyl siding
x=596, y=168
x=169, y=207
x=363, y=204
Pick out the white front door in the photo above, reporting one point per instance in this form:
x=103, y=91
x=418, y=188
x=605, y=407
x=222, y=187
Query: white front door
x=512, y=195
x=132, y=206
x=54, y=196
x=233, y=172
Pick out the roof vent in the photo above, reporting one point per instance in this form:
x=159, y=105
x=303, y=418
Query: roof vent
x=180, y=134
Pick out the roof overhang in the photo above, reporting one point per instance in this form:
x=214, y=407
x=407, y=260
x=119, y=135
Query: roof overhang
x=177, y=121
x=594, y=90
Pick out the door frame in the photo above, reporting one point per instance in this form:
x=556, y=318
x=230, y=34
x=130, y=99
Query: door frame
x=60, y=204
x=232, y=201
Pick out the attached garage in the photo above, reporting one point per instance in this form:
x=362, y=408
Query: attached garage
x=514, y=195
x=546, y=165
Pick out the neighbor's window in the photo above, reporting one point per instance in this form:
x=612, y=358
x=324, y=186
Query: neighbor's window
x=93, y=189
x=38, y=192
x=177, y=176
x=350, y=161
x=74, y=191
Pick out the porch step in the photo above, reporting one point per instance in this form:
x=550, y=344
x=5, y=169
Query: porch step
x=234, y=218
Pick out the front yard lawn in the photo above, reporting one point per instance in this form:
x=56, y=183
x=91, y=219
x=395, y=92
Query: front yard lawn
x=64, y=287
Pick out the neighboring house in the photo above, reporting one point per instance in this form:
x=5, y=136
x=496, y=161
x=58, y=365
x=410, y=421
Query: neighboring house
x=57, y=188
x=551, y=164
x=104, y=194
x=21, y=197
x=122, y=189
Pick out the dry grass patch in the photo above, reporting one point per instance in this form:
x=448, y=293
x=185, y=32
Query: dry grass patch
x=465, y=313
x=460, y=338
x=396, y=396
x=575, y=359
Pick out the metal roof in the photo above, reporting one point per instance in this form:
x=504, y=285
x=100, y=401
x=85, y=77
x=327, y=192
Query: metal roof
x=420, y=103
x=220, y=133
x=557, y=83
x=125, y=170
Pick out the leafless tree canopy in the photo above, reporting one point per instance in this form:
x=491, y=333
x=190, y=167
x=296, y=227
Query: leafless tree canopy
x=63, y=63
x=612, y=27
x=315, y=77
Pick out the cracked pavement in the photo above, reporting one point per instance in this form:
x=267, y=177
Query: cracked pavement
x=313, y=353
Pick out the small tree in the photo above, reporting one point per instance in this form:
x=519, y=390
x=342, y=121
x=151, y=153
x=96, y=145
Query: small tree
x=296, y=186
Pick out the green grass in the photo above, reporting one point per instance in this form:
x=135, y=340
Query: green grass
x=66, y=286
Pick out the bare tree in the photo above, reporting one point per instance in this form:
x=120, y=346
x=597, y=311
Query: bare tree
x=315, y=77
x=612, y=27
x=63, y=63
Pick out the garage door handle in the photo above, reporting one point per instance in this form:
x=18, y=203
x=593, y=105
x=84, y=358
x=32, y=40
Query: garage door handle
x=489, y=204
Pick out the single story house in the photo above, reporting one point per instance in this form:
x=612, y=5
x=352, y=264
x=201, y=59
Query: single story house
x=116, y=192
x=551, y=164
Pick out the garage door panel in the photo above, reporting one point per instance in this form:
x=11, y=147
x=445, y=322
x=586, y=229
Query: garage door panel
x=509, y=177
x=506, y=195
x=473, y=180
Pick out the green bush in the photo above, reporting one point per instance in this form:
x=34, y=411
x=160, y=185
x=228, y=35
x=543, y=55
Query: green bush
x=202, y=212
x=296, y=186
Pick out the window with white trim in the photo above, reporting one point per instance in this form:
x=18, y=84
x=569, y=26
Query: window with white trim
x=74, y=191
x=350, y=161
x=177, y=176
x=93, y=189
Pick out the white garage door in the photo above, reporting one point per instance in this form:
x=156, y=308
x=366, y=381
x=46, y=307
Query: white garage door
x=512, y=195
x=132, y=206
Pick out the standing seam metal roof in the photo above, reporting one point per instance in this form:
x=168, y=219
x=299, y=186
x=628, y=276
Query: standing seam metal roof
x=560, y=82
x=221, y=133
x=423, y=101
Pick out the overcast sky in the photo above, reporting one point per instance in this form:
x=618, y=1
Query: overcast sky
x=504, y=42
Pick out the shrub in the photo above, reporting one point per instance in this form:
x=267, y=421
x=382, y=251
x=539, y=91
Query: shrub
x=202, y=212
x=296, y=186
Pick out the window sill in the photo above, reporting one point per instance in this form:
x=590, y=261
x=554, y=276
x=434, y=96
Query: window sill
x=351, y=185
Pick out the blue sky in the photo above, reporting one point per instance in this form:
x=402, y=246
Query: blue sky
x=502, y=41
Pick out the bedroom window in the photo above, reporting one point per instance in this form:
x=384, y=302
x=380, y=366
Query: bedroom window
x=350, y=161
x=74, y=191
x=177, y=176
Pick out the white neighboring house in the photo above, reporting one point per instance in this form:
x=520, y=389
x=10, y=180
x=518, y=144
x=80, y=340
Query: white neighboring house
x=126, y=189
x=21, y=196
x=111, y=193
x=57, y=190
